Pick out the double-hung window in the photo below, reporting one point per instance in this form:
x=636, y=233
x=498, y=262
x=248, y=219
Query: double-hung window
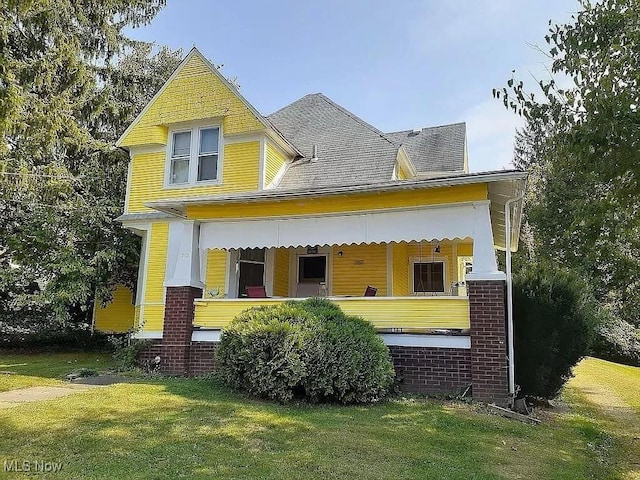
x=428, y=277
x=195, y=156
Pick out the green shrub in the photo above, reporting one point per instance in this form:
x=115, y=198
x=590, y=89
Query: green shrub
x=307, y=350
x=126, y=351
x=618, y=341
x=555, y=319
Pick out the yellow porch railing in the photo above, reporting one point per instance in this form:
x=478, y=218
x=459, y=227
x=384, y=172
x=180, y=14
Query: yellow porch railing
x=383, y=312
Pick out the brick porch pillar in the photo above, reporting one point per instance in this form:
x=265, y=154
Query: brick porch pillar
x=489, y=366
x=178, y=325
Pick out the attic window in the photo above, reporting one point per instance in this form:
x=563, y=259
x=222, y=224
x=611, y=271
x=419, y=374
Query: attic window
x=194, y=155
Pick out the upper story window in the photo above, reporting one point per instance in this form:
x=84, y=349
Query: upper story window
x=194, y=156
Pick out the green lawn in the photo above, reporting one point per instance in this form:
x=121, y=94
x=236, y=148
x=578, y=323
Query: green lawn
x=178, y=428
x=18, y=371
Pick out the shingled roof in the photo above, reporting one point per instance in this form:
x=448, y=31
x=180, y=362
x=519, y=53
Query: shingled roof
x=352, y=152
x=434, y=149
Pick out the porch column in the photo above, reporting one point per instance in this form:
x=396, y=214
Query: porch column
x=183, y=285
x=487, y=316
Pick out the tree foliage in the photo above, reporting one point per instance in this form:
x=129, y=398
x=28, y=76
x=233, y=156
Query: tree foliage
x=70, y=83
x=581, y=145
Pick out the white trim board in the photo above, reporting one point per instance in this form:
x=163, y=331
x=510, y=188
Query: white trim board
x=148, y=335
x=435, y=341
x=206, y=335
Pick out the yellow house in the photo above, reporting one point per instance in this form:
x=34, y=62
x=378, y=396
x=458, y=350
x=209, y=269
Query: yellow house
x=237, y=209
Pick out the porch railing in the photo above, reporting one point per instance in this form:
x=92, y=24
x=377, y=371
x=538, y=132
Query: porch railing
x=384, y=312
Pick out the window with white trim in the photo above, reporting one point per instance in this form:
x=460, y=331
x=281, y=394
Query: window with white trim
x=428, y=277
x=194, y=156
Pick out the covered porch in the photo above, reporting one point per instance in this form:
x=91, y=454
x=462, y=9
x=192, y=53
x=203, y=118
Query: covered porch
x=404, y=270
x=439, y=300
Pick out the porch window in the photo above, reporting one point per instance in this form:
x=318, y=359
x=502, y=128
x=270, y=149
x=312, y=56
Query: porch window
x=194, y=156
x=251, y=268
x=428, y=277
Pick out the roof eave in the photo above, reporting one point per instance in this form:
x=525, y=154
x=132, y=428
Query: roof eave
x=177, y=207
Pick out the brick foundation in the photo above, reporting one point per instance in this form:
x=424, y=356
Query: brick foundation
x=201, y=357
x=431, y=370
x=149, y=353
x=489, y=367
x=426, y=370
x=178, y=325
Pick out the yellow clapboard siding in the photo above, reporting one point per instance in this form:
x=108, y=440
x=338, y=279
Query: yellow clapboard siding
x=153, y=318
x=119, y=314
x=194, y=93
x=240, y=173
x=342, y=203
x=274, y=161
x=216, y=273
x=400, y=269
x=281, y=272
x=358, y=267
x=156, y=262
x=465, y=249
x=408, y=312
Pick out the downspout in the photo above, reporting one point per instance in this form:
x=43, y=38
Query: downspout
x=511, y=351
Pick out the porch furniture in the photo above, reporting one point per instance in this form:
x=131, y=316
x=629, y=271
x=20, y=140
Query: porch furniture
x=256, y=292
x=370, y=291
x=304, y=290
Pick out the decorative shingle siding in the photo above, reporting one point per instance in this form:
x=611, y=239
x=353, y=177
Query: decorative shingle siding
x=194, y=93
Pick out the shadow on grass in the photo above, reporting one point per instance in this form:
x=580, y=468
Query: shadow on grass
x=167, y=428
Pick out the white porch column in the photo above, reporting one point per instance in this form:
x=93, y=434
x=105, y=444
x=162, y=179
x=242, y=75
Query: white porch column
x=183, y=255
x=485, y=266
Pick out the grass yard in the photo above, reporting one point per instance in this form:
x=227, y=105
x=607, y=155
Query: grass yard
x=179, y=428
x=19, y=371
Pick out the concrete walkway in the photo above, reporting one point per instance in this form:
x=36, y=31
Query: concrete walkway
x=35, y=394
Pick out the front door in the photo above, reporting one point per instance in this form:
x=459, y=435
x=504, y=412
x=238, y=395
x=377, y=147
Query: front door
x=312, y=275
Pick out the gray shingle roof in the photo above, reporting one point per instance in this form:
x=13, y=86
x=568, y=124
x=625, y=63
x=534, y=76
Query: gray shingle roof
x=350, y=151
x=434, y=149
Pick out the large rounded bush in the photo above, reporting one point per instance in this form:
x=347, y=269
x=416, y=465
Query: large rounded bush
x=307, y=350
x=555, y=319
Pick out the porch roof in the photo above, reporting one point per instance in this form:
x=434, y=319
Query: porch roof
x=502, y=187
